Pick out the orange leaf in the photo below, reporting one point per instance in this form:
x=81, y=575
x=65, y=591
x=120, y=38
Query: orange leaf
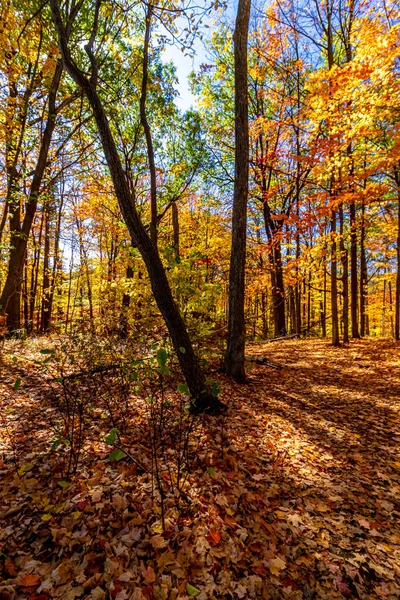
x=214, y=537
x=30, y=580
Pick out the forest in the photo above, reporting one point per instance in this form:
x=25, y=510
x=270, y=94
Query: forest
x=199, y=299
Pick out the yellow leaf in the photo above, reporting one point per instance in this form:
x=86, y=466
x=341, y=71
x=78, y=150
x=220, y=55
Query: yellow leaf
x=276, y=566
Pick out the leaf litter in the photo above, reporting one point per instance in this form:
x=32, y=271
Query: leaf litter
x=293, y=493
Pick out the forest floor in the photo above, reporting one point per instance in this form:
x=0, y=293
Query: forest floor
x=293, y=493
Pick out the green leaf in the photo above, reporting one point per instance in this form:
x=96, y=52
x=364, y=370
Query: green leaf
x=55, y=444
x=14, y=359
x=111, y=437
x=211, y=472
x=63, y=484
x=162, y=357
x=182, y=349
x=192, y=591
x=215, y=389
x=26, y=468
x=17, y=384
x=183, y=389
x=47, y=351
x=117, y=455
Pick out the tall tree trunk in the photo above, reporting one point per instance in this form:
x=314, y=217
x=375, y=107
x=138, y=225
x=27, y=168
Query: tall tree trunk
x=234, y=357
x=345, y=278
x=188, y=361
x=363, y=275
x=298, y=283
x=56, y=264
x=126, y=300
x=279, y=292
x=334, y=296
x=44, y=322
x=175, y=226
x=35, y=272
x=147, y=130
x=397, y=305
x=354, y=278
x=391, y=308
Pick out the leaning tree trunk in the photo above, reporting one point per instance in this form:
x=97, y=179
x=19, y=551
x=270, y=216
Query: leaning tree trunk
x=234, y=357
x=202, y=399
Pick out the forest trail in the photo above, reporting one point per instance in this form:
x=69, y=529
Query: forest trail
x=294, y=491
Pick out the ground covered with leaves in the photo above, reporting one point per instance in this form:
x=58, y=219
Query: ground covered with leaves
x=293, y=493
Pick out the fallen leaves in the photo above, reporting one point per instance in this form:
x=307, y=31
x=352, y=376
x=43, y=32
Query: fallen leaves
x=301, y=502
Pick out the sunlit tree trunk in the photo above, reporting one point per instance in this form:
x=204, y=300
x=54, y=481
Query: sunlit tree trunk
x=234, y=357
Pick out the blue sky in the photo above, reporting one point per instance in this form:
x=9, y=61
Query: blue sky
x=184, y=66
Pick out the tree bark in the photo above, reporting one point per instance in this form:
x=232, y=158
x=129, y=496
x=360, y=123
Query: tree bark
x=363, y=277
x=345, y=278
x=234, y=356
x=354, y=278
x=147, y=130
x=334, y=297
x=397, y=301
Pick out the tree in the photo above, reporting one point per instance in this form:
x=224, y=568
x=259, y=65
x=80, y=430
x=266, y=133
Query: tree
x=202, y=400
x=234, y=357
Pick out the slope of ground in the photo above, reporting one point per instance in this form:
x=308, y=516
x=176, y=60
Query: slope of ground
x=293, y=493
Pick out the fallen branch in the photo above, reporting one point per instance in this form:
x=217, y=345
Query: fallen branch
x=260, y=360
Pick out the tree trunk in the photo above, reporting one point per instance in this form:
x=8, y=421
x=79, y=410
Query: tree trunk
x=44, y=321
x=397, y=301
x=147, y=130
x=345, y=278
x=56, y=265
x=354, y=279
x=126, y=300
x=334, y=297
x=279, y=292
x=363, y=275
x=175, y=226
x=234, y=357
